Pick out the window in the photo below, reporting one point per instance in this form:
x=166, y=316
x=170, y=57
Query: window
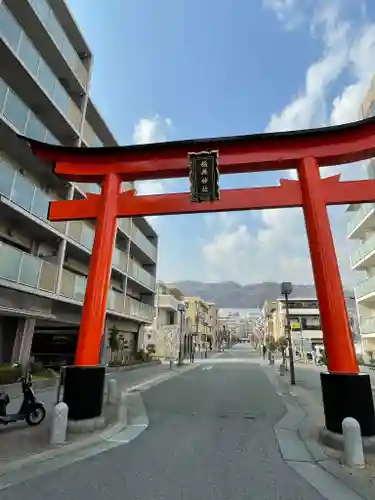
x=30, y=268
x=60, y=97
x=55, y=31
x=35, y=129
x=23, y=192
x=16, y=111
x=3, y=93
x=51, y=139
x=6, y=178
x=42, y=9
x=40, y=205
x=29, y=55
x=46, y=78
x=9, y=28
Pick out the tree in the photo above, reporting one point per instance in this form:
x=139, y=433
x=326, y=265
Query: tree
x=113, y=341
x=282, y=344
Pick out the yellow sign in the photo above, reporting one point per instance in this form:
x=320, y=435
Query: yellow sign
x=295, y=326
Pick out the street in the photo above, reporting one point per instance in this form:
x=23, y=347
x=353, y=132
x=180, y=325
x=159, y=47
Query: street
x=210, y=437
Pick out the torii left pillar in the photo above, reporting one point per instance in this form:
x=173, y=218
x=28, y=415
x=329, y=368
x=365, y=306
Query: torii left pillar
x=84, y=382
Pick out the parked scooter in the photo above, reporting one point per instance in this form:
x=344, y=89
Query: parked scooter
x=31, y=410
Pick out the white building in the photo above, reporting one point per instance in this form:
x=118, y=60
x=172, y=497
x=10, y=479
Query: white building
x=45, y=72
x=361, y=227
x=165, y=332
x=240, y=322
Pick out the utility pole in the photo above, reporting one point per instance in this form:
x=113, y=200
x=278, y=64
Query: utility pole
x=286, y=290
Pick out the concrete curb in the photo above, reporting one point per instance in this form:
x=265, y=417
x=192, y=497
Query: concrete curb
x=301, y=450
x=40, y=385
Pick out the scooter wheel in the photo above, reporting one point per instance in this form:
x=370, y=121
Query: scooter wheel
x=37, y=416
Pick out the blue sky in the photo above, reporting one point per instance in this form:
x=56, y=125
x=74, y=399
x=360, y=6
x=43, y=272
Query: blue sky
x=176, y=69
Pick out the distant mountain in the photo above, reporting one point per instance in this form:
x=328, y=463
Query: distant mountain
x=230, y=294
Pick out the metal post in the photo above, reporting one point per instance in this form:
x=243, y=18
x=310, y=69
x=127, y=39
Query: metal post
x=291, y=358
x=180, y=351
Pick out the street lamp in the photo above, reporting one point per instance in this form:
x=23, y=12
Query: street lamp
x=181, y=309
x=286, y=290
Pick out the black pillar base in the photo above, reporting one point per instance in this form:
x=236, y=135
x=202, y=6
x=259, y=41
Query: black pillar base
x=83, y=391
x=348, y=395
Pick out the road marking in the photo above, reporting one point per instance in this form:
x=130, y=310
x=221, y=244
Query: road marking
x=205, y=368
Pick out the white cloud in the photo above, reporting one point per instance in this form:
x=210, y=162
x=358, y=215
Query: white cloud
x=146, y=131
x=288, y=12
x=279, y=251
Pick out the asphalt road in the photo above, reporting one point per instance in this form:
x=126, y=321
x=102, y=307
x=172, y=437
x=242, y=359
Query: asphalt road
x=210, y=437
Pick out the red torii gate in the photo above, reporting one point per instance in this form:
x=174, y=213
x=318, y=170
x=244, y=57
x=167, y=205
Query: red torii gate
x=345, y=391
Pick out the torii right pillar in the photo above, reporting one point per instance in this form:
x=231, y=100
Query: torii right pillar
x=346, y=392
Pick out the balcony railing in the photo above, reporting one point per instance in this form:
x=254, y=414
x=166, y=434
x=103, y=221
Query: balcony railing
x=367, y=325
x=25, y=269
x=145, y=244
x=119, y=260
x=168, y=302
x=138, y=273
x=73, y=286
x=359, y=215
x=124, y=225
x=366, y=287
x=82, y=233
x=364, y=249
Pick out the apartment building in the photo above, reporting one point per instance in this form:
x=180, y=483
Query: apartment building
x=361, y=227
x=44, y=79
x=239, y=322
x=304, y=317
x=198, y=312
x=170, y=323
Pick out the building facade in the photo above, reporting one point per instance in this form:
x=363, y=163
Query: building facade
x=198, y=314
x=44, y=78
x=361, y=228
x=170, y=323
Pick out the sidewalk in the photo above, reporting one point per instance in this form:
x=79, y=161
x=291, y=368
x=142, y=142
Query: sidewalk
x=307, y=392
x=18, y=440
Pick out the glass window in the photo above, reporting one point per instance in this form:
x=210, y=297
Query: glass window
x=60, y=97
x=3, y=92
x=42, y=9
x=10, y=260
x=40, y=204
x=46, y=78
x=23, y=192
x=29, y=55
x=55, y=31
x=87, y=238
x=6, y=178
x=51, y=139
x=16, y=111
x=35, y=128
x=9, y=28
x=69, y=53
x=79, y=288
x=30, y=268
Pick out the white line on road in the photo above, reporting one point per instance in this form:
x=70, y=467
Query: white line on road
x=207, y=367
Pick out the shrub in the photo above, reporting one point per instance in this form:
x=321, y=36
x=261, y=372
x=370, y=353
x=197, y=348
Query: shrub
x=9, y=374
x=360, y=359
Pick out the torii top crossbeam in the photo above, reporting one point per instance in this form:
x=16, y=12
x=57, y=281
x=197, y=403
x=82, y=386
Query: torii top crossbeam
x=249, y=153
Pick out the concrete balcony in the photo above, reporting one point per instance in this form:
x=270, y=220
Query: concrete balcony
x=364, y=256
x=81, y=233
x=73, y=287
x=142, y=246
x=365, y=291
x=168, y=302
x=26, y=270
x=140, y=275
x=304, y=312
x=368, y=326
x=362, y=221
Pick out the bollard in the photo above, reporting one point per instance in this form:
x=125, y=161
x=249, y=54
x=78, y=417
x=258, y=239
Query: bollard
x=122, y=416
x=282, y=369
x=353, y=446
x=112, y=391
x=59, y=424
x=170, y=364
